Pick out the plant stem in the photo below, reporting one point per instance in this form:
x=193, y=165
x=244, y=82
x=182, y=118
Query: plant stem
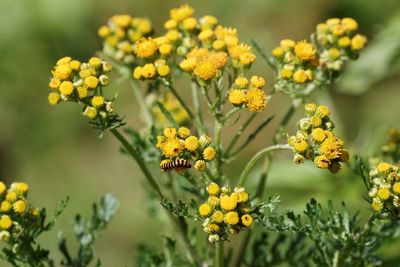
x=250, y=165
x=191, y=253
x=219, y=254
x=128, y=147
x=148, y=117
x=218, y=144
x=239, y=133
x=196, y=103
x=195, y=119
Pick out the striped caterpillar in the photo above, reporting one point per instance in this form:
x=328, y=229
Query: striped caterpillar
x=178, y=164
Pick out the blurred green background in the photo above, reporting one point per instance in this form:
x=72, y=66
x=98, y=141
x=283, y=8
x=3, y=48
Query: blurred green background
x=56, y=152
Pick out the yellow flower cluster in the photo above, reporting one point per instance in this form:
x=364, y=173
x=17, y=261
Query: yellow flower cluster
x=120, y=34
x=74, y=81
x=295, y=61
x=385, y=189
x=338, y=41
x=180, y=144
x=392, y=147
x=248, y=94
x=315, y=140
x=172, y=105
x=225, y=212
x=14, y=210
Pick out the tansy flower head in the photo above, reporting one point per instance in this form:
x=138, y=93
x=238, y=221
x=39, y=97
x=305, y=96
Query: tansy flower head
x=255, y=100
x=304, y=50
x=145, y=48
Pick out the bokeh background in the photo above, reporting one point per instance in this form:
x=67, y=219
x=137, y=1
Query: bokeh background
x=58, y=154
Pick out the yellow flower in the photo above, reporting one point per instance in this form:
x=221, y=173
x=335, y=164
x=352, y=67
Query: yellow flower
x=228, y=202
x=396, y=188
x=97, y=101
x=255, y=100
x=3, y=188
x=350, y=24
x=383, y=167
x=331, y=147
x=172, y=147
x=181, y=13
x=200, y=165
x=5, y=206
x=143, y=25
x=218, y=216
x=384, y=193
x=209, y=153
x=257, y=81
x=19, y=206
x=62, y=72
x=53, y=98
x=64, y=60
x=54, y=83
x=247, y=58
x=213, y=201
x=66, y=88
x=322, y=162
x=121, y=20
x=191, y=143
x=205, y=210
x=344, y=41
x=5, y=222
x=103, y=31
x=300, y=146
x=377, y=205
x=318, y=135
x=163, y=70
x=300, y=76
x=316, y=121
x=20, y=188
x=213, y=228
x=183, y=132
x=170, y=24
x=213, y=189
x=170, y=132
x=173, y=35
x=75, y=64
x=232, y=218
x=218, y=44
x=95, y=62
x=145, y=47
x=322, y=111
x=188, y=64
x=91, y=82
x=237, y=97
x=278, y=52
x=11, y=196
x=241, y=82
x=287, y=43
x=82, y=92
x=247, y=220
x=206, y=34
x=189, y=23
x=304, y=50
x=333, y=21
x=148, y=70
x=205, y=70
x=334, y=53
x=90, y=112
x=286, y=73
x=165, y=49
x=137, y=73
x=358, y=42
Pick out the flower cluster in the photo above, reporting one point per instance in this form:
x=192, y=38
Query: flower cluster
x=179, y=148
x=120, y=34
x=338, y=42
x=78, y=82
x=15, y=212
x=172, y=105
x=225, y=212
x=295, y=61
x=392, y=147
x=248, y=94
x=385, y=189
x=315, y=140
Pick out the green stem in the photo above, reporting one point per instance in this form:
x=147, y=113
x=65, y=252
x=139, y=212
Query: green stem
x=218, y=144
x=148, y=116
x=239, y=133
x=250, y=165
x=195, y=119
x=139, y=161
x=219, y=254
x=196, y=103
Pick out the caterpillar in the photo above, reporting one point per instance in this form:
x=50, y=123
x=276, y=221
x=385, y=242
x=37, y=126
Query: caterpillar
x=178, y=164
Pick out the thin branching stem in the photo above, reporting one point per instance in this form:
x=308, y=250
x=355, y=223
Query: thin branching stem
x=147, y=115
